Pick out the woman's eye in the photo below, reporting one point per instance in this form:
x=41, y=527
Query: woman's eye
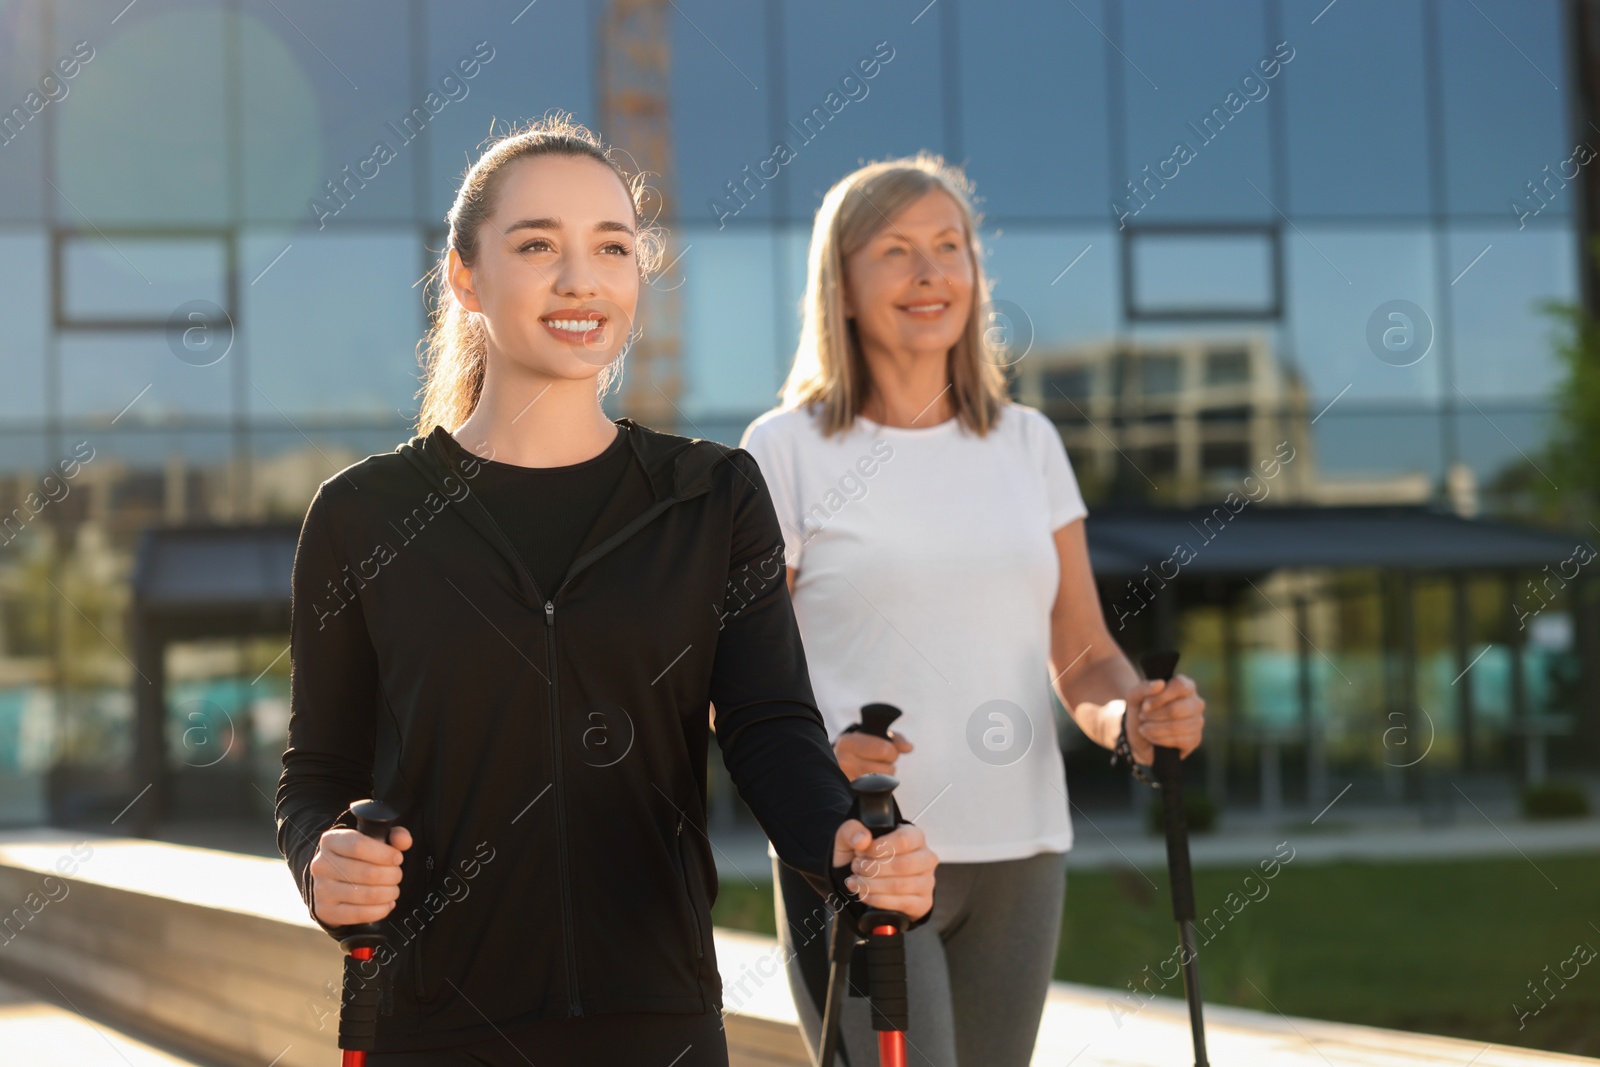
x=621, y=250
x=540, y=243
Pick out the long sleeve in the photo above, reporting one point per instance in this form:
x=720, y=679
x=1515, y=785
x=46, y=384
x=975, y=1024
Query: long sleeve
x=769, y=730
x=333, y=692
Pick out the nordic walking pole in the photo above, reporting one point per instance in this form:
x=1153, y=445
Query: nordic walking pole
x=1169, y=774
x=358, y=1010
x=886, y=944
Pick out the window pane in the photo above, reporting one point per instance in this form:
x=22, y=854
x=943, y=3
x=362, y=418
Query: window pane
x=509, y=87
x=1504, y=346
x=1376, y=456
x=1158, y=374
x=24, y=277
x=24, y=455
x=1499, y=441
x=332, y=327
x=1504, y=117
x=1337, y=279
x=1062, y=280
x=1202, y=273
x=117, y=276
x=28, y=97
x=734, y=361
x=720, y=125
x=1183, y=60
x=288, y=463
x=323, y=85
x=135, y=377
x=1012, y=53
x=1227, y=367
x=793, y=243
x=1361, y=85
x=835, y=115
x=145, y=136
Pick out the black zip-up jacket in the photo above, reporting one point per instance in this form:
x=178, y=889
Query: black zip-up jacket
x=546, y=748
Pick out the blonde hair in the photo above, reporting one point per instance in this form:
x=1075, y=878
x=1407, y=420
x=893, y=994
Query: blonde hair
x=829, y=369
x=455, y=350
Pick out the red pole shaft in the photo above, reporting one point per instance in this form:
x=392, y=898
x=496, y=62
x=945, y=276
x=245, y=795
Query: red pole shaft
x=891, y=1043
x=354, y=1057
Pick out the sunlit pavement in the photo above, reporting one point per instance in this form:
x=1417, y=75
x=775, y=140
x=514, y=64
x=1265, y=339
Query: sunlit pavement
x=1079, y=1028
x=1082, y=1026
x=36, y=1033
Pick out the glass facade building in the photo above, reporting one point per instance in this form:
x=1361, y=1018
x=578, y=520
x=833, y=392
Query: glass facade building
x=215, y=216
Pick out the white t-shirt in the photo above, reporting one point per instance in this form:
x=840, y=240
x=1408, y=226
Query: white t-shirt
x=927, y=572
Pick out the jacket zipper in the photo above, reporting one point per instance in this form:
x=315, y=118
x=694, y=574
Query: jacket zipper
x=428, y=833
x=561, y=814
x=694, y=911
x=416, y=950
x=632, y=527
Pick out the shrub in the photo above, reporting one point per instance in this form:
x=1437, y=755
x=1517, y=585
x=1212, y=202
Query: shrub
x=1554, y=800
x=1199, y=814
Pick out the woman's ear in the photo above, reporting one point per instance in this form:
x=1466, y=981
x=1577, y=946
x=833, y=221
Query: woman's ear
x=460, y=278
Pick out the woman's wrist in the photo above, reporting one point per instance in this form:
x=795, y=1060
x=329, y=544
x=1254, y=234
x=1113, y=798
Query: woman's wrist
x=1123, y=753
x=1114, y=713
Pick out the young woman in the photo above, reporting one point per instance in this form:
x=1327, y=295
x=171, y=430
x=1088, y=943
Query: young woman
x=935, y=550
x=511, y=629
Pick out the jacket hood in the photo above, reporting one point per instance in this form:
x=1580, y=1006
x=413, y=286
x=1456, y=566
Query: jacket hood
x=671, y=465
x=666, y=469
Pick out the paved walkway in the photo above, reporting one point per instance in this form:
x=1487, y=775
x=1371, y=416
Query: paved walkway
x=36, y=1033
x=1079, y=1030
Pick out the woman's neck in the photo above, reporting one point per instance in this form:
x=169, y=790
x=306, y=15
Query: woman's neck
x=910, y=390
x=537, y=421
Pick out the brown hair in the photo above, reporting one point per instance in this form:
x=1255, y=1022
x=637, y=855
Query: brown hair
x=829, y=368
x=455, y=349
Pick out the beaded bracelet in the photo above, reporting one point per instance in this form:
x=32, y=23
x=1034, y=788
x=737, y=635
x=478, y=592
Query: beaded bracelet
x=1124, y=753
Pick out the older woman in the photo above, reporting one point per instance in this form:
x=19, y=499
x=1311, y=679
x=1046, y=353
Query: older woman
x=935, y=548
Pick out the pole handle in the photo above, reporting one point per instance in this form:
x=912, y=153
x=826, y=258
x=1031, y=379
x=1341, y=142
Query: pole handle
x=358, y=1008
x=1169, y=775
x=373, y=818
x=876, y=718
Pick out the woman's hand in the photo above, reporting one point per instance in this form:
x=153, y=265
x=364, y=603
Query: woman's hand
x=1171, y=714
x=861, y=753
x=893, y=872
x=356, y=878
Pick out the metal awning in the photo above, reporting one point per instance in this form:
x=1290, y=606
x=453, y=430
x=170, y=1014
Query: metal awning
x=210, y=569
x=1258, y=539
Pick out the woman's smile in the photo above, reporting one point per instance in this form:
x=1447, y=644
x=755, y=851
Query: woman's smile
x=578, y=326
x=928, y=310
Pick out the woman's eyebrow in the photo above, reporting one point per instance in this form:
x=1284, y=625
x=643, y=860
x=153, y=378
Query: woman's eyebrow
x=896, y=233
x=553, y=223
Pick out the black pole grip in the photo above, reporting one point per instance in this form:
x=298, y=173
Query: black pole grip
x=875, y=800
x=887, y=995
x=1169, y=774
x=876, y=718
x=363, y=985
x=373, y=818
x=884, y=954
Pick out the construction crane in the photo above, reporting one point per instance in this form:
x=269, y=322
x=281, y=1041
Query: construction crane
x=634, y=68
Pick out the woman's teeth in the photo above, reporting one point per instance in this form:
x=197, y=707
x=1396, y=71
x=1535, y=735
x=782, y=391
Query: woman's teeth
x=926, y=307
x=576, y=325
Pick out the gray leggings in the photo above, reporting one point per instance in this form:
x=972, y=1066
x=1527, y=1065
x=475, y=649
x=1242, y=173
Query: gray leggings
x=978, y=970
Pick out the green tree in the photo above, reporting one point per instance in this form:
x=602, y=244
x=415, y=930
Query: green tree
x=1572, y=457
